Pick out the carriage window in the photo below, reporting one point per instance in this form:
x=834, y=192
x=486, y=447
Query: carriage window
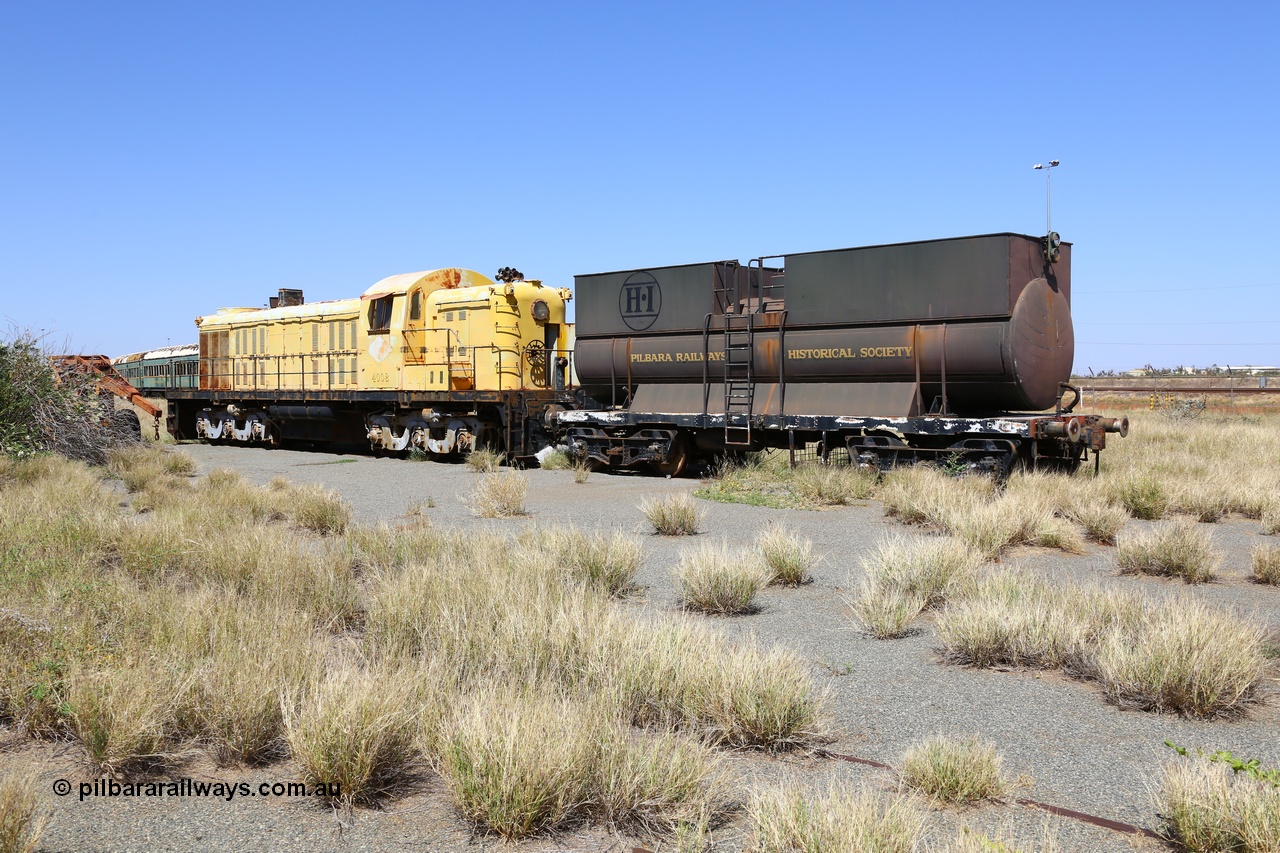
x=415, y=305
x=380, y=314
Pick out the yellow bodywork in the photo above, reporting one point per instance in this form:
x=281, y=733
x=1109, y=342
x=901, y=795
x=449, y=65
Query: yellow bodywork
x=441, y=330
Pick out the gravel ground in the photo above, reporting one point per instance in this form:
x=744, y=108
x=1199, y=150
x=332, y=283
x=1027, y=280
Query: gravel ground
x=1065, y=743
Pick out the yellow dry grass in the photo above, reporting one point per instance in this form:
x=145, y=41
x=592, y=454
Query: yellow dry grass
x=1167, y=654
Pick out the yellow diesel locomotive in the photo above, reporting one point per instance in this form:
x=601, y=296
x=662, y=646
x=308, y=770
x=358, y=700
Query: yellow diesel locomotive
x=444, y=361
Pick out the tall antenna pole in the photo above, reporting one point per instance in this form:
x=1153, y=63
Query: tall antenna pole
x=1048, y=222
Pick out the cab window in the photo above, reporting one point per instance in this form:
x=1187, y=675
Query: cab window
x=380, y=314
x=415, y=305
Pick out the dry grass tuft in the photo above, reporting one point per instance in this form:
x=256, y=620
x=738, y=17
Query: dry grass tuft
x=1266, y=564
x=606, y=562
x=1174, y=549
x=1210, y=810
x=1060, y=533
x=788, y=557
x=1034, y=510
x=932, y=569
x=556, y=460
x=916, y=494
x=500, y=495
x=1190, y=659
x=1271, y=518
x=318, y=509
x=885, y=612
x=971, y=841
x=659, y=782
x=684, y=675
x=677, y=515
x=253, y=661
x=142, y=467
x=714, y=578
x=955, y=771
x=1143, y=496
x=1206, y=505
x=581, y=472
x=484, y=460
x=842, y=819
x=1171, y=655
x=832, y=485
x=1102, y=520
x=124, y=716
x=518, y=765
x=355, y=730
x=906, y=576
x=21, y=821
x=381, y=546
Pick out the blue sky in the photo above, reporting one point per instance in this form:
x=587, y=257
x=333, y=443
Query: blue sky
x=162, y=160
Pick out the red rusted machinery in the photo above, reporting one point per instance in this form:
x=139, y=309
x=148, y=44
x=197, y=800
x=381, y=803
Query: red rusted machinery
x=108, y=380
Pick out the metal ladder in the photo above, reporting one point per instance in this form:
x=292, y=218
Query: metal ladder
x=739, y=357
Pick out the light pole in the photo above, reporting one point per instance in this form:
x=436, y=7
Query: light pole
x=1048, y=226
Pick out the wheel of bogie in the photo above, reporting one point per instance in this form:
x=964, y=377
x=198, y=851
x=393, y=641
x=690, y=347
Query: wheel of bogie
x=677, y=457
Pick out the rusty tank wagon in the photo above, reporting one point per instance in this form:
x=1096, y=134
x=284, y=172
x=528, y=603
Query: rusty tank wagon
x=938, y=350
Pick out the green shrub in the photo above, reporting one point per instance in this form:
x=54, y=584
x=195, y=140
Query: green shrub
x=41, y=411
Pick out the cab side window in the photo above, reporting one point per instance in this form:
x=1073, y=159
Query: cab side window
x=380, y=314
x=415, y=305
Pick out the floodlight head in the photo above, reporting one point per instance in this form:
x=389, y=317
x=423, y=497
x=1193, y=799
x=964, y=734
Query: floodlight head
x=1038, y=166
x=1053, y=162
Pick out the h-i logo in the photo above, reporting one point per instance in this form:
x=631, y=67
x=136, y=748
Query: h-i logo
x=640, y=301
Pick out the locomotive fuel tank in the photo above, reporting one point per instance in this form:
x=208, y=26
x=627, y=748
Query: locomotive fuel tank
x=982, y=322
